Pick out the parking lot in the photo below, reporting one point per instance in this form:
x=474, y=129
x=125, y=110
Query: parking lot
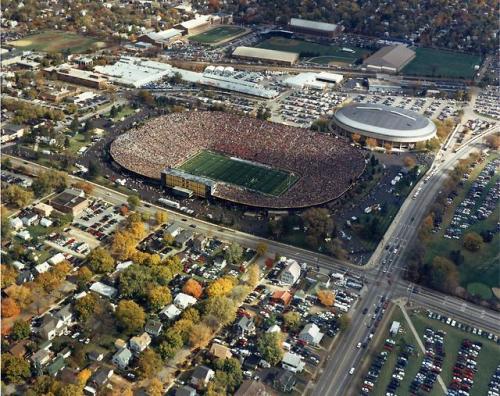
x=488, y=102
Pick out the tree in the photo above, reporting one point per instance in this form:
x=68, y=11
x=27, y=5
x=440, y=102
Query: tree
x=356, y=137
x=371, y=143
x=9, y=308
x=172, y=342
x=8, y=275
x=168, y=239
x=75, y=124
x=228, y=375
x=16, y=196
x=87, y=188
x=261, y=249
x=191, y=314
x=343, y=322
x=233, y=253
x=137, y=230
x=6, y=229
x=20, y=330
x=239, y=293
x=130, y=316
x=133, y=201
x=318, y=223
x=388, y=148
x=149, y=363
x=94, y=170
x=269, y=345
x=155, y=388
x=83, y=376
x=253, y=275
x=493, y=141
x=409, y=161
x=83, y=276
x=444, y=275
x=200, y=335
x=21, y=295
x=326, y=297
x=193, y=288
x=473, y=241
x=159, y=296
x=145, y=97
x=292, y=321
x=222, y=308
x=221, y=286
x=124, y=245
x=15, y=370
x=100, y=261
x=86, y=306
x=161, y=217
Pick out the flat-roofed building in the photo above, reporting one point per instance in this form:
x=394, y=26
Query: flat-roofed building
x=161, y=39
x=77, y=76
x=390, y=59
x=314, y=28
x=70, y=201
x=266, y=55
x=200, y=186
x=194, y=25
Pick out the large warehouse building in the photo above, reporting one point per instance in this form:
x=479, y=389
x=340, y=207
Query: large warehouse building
x=313, y=28
x=390, y=59
x=398, y=127
x=266, y=55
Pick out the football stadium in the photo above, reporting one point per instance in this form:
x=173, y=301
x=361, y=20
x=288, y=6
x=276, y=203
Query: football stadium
x=399, y=127
x=240, y=159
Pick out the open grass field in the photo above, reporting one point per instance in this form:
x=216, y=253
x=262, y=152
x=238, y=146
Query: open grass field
x=57, y=41
x=320, y=53
x=217, y=34
x=440, y=63
x=480, y=271
x=254, y=177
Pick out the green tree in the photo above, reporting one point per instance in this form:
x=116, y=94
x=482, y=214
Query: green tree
x=94, y=170
x=83, y=276
x=170, y=345
x=100, y=261
x=159, y=296
x=149, y=363
x=133, y=201
x=292, y=321
x=86, y=306
x=233, y=253
x=130, y=316
x=134, y=281
x=228, y=374
x=20, y=330
x=269, y=345
x=222, y=308
x=261, y=248
x=15, y=370
x=17, y=196
x=444, y=275
x=473, y=241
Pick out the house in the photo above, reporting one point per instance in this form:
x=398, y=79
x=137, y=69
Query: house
x=185, y=391
x=140, y=343
x=101, y=377
x=282, y=297
x=56, y=259
x=170, y=312
x=252, y=388
x=122, y=358
x=182, y=301
x=95, y=356
x=274, y=329
x=65, y=314
x=42, y=209
x=52, y=327
x=24, y=276
x=41, y=357
x=24, y=235
x=173, y=230
x=291, y=273
x=104, y=290
x=41, y=268
x=201, y=376
x=310, y=334
x=16, y=223
x=292, y=362
x=220, y=262
x=219, y=351
x=120, y=343
x=11, y=132
x=19, y=348
x=285, y=381
x=56, y=366
x=245, y=326
x=44, y=222
x=65, y=353
x=199, y=243
x=29, y=219
x=181, y=239
x=153, y=327
x=18, y=265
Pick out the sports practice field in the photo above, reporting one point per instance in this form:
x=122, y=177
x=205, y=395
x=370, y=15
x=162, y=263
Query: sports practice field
x=219, y=167
x=306, y=49
x=441, y=63
x=57, y=41
x=217, y=34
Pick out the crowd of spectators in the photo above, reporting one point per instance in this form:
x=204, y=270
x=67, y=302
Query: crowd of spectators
x=327, y=166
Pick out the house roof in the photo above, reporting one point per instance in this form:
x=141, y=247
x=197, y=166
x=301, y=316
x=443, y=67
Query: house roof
x=185, y=391
x=143, y=340
x=201, y=372
x=313, y=331
x=252, y=388
x=170, y=311
x=184, y=299
x=153, y=326
x=283, y=295
x=123, y=354
x=56, y=365
x=220, y=351
x=292, y=359
x=394, y=56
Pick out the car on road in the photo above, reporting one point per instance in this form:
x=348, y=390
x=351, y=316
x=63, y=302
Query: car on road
x=351, y=371
x=359, y=345
x=365, y=311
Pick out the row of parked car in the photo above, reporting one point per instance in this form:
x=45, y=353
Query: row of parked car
x=432, y=363
x=494, y=385
x=398, y=373
x=465, y=369
x=371, y=378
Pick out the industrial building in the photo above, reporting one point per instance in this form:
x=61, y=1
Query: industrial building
x=77, y=76
x=202, y=22
x=398, y=127
x=266, y=55
x=71, y=201
x=391, y=59
x=314, y=28
x=313, y=80
x=161, y=39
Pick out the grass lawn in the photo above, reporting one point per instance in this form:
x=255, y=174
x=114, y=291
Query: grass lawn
x=488, y=359
x=217, y=34
x=252, y=176
x=124, y=112
x=57, y=41
x=442, y=63
x=77, y=142
x=480, y=270
x=320, y=53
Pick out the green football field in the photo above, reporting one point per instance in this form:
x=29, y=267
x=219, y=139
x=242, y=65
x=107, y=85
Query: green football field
x=222, y=168
x=217, y=34
x=320, y=53
x=441, y=63
x=57, y=41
